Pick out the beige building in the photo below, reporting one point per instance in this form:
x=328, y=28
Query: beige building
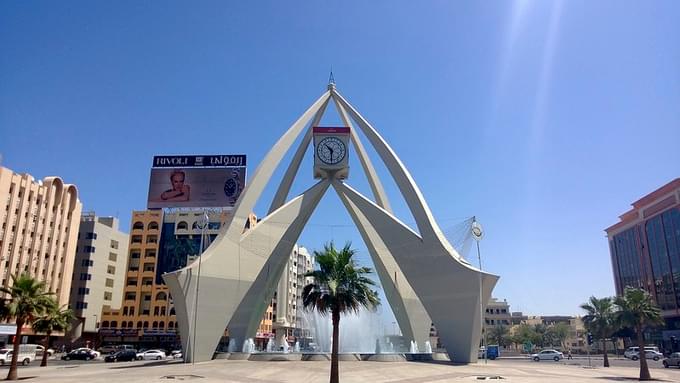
x=160, y=242
x=287, y=302
x=497, y=313
x=98, y=273
x=38, y=230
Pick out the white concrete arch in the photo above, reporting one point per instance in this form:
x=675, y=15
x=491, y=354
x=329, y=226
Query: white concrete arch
x=241, y=269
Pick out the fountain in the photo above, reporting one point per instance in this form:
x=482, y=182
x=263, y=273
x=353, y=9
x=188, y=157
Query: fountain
x=428, y=347
x=357, y=331
x=270, y=345
x=414, y=348
x=285, y=346
x=232, y=345
x=249, y=346
x=296, y=348
x=377, y=346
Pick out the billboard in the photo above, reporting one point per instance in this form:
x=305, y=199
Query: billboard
x=196, y=181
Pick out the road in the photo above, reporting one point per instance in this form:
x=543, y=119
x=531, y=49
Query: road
x=596, y=361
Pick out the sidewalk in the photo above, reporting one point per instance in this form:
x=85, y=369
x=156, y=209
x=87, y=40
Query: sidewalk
x=350, y=372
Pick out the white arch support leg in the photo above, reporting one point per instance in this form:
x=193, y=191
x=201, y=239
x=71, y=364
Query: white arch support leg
x=447, y=288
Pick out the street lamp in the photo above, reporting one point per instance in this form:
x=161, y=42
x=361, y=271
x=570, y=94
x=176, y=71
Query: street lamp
x=202, y=225
x=477, y=235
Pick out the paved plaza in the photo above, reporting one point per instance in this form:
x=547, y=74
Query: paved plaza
x=350, y=372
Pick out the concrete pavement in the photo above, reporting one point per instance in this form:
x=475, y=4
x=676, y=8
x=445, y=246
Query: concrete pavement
x=350, y=372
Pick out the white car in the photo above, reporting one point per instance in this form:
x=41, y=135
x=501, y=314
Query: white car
x=40, y=349
x=26, y=355
x=548, y=355
x=630, y=351
x=649, y=354
x=176, y=354
x=151, y=355
x=96, y=353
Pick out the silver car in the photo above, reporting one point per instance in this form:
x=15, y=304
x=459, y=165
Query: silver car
x=673, y=360
x=548, y=355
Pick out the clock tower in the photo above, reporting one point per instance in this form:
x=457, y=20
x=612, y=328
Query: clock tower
x=331, y=152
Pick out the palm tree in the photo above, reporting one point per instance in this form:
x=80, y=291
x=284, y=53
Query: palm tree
x=636, y=309
x=339, y=286
x=28, y=300
x=499, y=335
x=54, y=318
x=599, y=320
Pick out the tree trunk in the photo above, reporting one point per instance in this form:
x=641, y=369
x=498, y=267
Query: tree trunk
x=43, y=363
x=644, y=369
x=335, y=376
x=12, y=374
x=606, y=357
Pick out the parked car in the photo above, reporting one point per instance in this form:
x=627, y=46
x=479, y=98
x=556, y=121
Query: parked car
x=151, y=355
x=176, y=354
x=649, y=354
x=97, y=354
x=108, y=349
x=548, y=355
x=79, y=354
x=40, y=349
x=122, y=356
x=26, y=355
x=635, y=351
x=672, y=360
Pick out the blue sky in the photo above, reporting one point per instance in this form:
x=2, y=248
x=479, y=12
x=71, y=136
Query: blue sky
x=543, y=119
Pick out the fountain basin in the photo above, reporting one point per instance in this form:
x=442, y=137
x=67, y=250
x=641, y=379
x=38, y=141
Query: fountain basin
x=418, y=357
x=392, y=357
x=239, y=356
x=275, y=357
x=222, y=355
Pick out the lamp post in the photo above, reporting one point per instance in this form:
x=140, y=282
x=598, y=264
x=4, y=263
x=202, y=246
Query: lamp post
x=477, y=235
x=202, y=225
x=96, y=331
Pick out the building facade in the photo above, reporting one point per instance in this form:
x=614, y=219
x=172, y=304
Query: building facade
x=287, y=304
x=497, y=313
x=38, y=230
x=645, y=251
x=98, y=273
x=159, y=242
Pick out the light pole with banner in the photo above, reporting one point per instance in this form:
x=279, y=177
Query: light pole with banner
x=202, y=225
x=477, y=234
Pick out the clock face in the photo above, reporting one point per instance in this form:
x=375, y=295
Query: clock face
x=331, y=150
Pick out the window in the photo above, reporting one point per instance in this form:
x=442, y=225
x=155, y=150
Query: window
x=139, y=324
x=114, y=244
x=105, y=324
x=148, y=267
x=163, y=310
x=113, y=257
x=109, y=282
x=110, y=269
x=152, y=239
x=135, y=255
x=138, y=226
x=87, y=263
x=85, y=277
x=125, y=310
x=90, y=235
x=182, y=225
x=88, y=249
x=132, y=312
x=131, y=282
x=147, y=297
x=152, y=226
x=156, y=310
x=108, y=296
x=136, y=239
x=130, y=296
x=81, y=305
x=161, y=296
x=83, y=290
